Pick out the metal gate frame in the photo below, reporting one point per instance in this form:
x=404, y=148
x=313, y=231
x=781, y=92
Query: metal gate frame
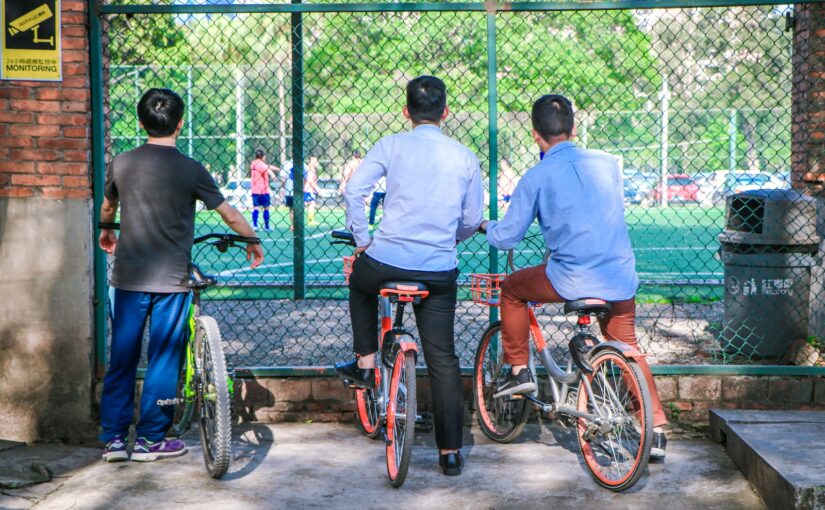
x=296, y=9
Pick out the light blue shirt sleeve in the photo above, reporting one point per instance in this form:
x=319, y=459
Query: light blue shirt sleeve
x=360, y=185
x=508, y=232
x=472, y=213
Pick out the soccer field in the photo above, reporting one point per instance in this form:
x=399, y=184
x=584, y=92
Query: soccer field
x=675, y=254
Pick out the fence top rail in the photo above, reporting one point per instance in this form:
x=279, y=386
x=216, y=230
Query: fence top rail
x=490, y=7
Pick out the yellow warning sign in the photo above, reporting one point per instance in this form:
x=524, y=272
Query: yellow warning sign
x=30, y=44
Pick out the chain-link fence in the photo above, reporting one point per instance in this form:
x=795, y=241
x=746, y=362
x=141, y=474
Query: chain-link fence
x=694, y=103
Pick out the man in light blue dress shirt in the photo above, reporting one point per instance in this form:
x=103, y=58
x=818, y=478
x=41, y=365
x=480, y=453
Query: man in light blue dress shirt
x=577, y=197
x=434, y=199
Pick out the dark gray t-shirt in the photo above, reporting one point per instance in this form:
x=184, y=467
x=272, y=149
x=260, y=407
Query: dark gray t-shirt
x=157, y=187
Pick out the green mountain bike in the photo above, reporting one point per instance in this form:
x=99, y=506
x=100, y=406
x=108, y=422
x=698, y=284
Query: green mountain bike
x=206, y=386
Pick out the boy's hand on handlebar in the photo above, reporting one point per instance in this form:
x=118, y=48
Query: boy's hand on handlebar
x=108, y=241
x=255, y=254
x=361, y=249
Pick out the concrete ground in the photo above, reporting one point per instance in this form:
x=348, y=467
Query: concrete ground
x=332, y=466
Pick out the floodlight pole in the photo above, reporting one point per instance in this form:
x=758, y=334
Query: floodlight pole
x=664, y=96
x=732, y=140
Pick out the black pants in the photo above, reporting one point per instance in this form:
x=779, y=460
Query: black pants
x=434, y=317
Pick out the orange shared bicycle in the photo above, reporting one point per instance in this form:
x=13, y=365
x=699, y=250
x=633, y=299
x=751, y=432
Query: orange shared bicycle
x=602, y=392
x=389, y=410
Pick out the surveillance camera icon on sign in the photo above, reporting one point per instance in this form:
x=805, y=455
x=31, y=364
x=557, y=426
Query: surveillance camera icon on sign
x=32, y=21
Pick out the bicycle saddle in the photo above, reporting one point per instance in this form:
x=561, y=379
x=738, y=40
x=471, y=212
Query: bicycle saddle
x=411, y=292
x=197, y=279
x=588, y=306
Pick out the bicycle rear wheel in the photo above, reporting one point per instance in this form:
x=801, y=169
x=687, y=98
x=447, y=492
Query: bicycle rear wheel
x=401, y=415
x=215, y=412
x=616, y=451
x=367, y=412
x=501, y=419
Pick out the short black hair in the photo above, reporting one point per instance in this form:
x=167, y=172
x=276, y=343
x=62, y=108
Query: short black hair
x=259, y=153
x=552, y=116
x=356, y=154
x=160, y=111
x=426, y=99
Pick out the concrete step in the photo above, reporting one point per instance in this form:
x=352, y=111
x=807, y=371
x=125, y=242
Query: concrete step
x=782, y=453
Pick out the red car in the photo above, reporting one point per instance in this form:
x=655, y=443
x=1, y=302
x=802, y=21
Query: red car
x=680, y=188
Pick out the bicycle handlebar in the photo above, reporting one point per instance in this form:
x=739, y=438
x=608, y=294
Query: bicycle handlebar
x=227, y=238
x=344, y=236
x=223, y=242
x=530, y=240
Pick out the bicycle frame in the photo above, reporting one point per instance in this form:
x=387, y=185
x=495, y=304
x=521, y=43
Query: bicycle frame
x=387, y=342
x=560, y=380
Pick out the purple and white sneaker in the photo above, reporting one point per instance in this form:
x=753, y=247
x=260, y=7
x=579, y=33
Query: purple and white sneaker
x=150, y=451
x=115, y=450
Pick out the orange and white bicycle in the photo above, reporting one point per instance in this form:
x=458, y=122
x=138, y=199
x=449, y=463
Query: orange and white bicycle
x=389, y=410
x=602, y=392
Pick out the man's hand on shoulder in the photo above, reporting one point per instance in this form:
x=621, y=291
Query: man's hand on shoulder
x=108, y=241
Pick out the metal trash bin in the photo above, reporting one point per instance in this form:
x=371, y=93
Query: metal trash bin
x=768, y=248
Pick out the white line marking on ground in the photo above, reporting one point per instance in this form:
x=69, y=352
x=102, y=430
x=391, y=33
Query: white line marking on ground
x=289, y=240
x=231, y=272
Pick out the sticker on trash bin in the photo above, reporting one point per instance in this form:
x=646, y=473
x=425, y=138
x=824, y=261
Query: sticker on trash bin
x=749, y=287
x=777, y=287
x=733, y=285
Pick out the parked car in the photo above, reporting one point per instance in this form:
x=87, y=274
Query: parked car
x=632, y=194
x=724, y=183
x=680, y=188
x=237, y=193
x=328, y=192
x=644, y=182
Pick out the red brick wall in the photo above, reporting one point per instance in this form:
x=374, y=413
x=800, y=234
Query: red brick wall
x=808, y=110
x=686, y=399
x=45, y=127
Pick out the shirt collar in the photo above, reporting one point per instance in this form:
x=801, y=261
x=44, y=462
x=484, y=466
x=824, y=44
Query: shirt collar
x=559, y=147
x=427, y=127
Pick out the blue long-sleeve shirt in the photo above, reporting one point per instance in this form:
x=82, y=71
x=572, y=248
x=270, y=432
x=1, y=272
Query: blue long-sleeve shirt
x=576, y=194
x=434, y=199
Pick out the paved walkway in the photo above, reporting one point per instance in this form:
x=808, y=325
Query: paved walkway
x=332, y=466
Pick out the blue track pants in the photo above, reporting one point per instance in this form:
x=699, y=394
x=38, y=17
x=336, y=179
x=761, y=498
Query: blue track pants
x=168, y=331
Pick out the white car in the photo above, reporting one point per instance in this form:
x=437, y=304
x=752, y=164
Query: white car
x=723, y=183
x=238, y=194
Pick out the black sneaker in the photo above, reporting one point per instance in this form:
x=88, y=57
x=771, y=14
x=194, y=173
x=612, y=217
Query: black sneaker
x=518, y=384
x=657, y=449
x=354, y=376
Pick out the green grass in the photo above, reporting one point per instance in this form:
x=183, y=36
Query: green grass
x=676, y=243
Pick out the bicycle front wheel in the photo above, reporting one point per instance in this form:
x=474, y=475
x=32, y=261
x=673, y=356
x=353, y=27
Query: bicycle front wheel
x=501, y=419
x=215, y=412
x=616, y=447
x=401, y=415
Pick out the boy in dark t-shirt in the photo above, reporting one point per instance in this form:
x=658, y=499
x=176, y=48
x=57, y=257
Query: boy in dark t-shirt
x=156, y=188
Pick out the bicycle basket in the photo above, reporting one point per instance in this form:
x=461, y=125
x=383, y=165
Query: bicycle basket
x=486, y=288
x=348, y=260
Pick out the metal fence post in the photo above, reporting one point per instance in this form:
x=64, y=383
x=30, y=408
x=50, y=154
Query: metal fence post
x=98, y=165
x=296, y=23
x=492, y=135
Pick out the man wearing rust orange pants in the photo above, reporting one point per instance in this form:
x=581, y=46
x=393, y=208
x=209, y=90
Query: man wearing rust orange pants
x=577, y=197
